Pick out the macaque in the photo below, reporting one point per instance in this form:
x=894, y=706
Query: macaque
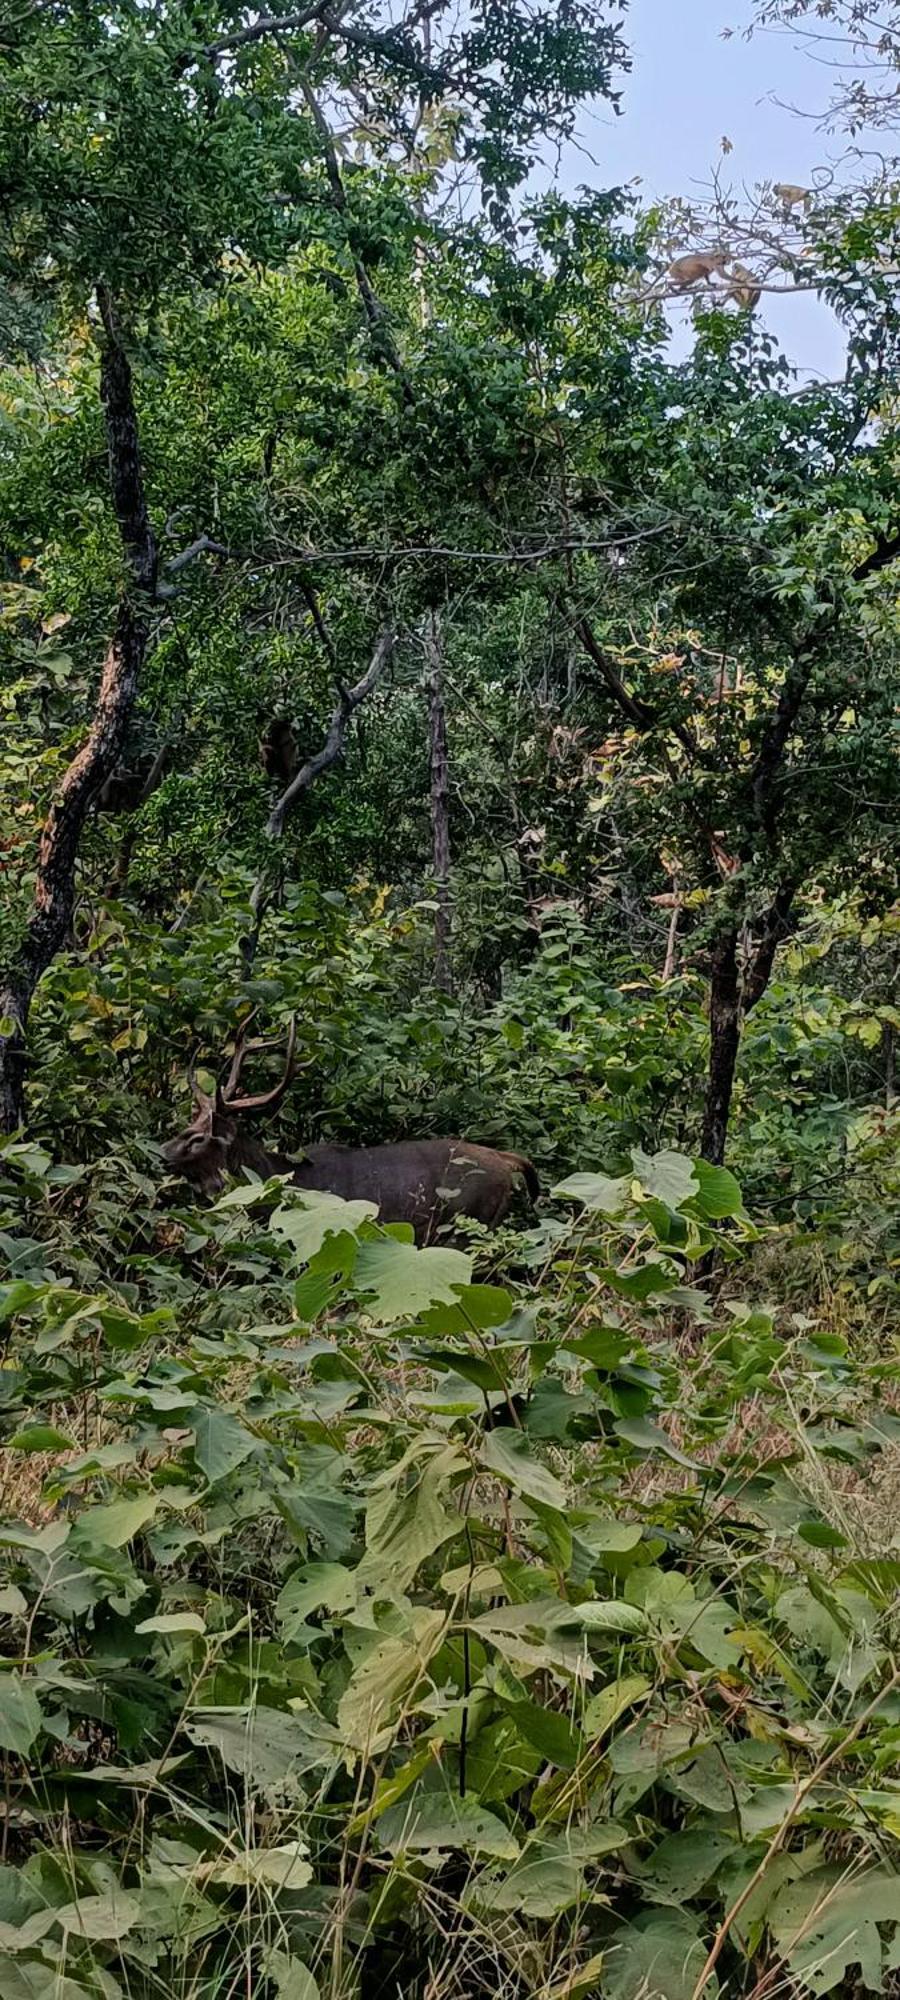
x=744, y=288
x=278, y=751
x=789, y=194
x=126, y=788
x=696, y=265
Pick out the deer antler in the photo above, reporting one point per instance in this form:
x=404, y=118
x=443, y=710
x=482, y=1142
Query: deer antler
x=201, y=1097
x=266, y=1099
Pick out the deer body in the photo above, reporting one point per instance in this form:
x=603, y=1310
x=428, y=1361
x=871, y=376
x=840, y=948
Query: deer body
x=426, y=1182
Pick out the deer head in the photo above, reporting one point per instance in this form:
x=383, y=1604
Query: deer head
x=201, y=1152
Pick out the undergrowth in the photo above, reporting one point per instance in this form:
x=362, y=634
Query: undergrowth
x=370, y=1629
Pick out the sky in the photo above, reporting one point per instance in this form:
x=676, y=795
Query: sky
x=689, y=88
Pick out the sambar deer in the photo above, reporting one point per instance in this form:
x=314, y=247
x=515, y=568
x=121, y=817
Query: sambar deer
x=426, y=1182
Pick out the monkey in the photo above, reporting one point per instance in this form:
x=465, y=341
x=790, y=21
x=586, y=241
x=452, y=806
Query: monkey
x=688, y=270
x=122, y=791
x=789, y=194
x=278, y=751
x=743, y=288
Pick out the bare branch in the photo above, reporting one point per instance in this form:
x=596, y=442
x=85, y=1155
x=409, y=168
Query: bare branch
x=266, y=24
x=204, y=545
x=349, y=699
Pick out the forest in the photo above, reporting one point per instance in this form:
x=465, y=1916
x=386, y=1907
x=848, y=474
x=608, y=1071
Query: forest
x=449, y=948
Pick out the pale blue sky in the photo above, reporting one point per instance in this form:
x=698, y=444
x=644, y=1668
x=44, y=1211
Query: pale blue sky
x=688, y=87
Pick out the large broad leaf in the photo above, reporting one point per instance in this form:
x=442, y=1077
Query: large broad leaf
x=384, y=1676
x=407, y=1519
x=307, y=1220
x=265, y=1745
x=667, y=1175
x=552, y=1734
x=549, y=1875
x=594, y=1191
x=658, y=1957
x=529, y=1635
x=39, y=1982
x=103, y=1919
x=476, y=1305
x=507, y=1453
x=682, y=1865
x=221, y=1443
x=645, y=1436
x=321, y=1511
x=112, y=1526
x=20, y=1715
x=284, y=1867
x=290, y=1977
x=442, y=1820
x=605, y=1707
x=826, y=1923
x=400, y=1281
x=718, y=1194
x=546, y=1881
x=323, y=1586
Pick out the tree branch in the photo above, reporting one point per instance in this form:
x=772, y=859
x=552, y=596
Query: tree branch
x=203, y=546
x=639, y=712
x=382, y=338
x=773, y=928
x=349, y=699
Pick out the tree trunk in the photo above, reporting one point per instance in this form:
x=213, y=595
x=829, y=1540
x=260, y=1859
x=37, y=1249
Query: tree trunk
x=724, y=1041
x=440, y=808
x=50, y=919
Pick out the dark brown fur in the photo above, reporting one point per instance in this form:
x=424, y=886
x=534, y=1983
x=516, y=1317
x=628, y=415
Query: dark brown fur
x=426, y=1182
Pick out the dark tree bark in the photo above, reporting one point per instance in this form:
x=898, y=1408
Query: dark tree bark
x=440, y=807
x=49, y=923
x=724, y=1042
x=733, y=992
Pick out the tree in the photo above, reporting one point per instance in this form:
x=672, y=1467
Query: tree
x=163, y=152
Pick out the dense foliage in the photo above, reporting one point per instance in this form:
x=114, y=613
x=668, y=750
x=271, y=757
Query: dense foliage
x=400, y=636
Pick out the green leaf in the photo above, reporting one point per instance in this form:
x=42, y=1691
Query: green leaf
x=307, y=1220
x=113, y=1526
x=384, y=1675
x=221, y=1443
x=40, y=1437
x=321, y=1511
x=312, y=1293
x=102, y=1919
x=649, y=1437
x=604, y=1708
x=820, y=1535
x=669, y=1176
x=406, y=1519
x=483, y=1306
x=549, y=1732
x=682, y=1865
x=291, y=1979
x=506, y=1452
x=173, y=1622
x=658, y=1957
x=827, y=1923
x=399, y=1280
x=264, y=1745
x=545, y=1881
x=285, y=1867
x=718, y=1193
x=20, y=1715
x=322, y=1586
x=594, y=1191
x=442, y=1820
